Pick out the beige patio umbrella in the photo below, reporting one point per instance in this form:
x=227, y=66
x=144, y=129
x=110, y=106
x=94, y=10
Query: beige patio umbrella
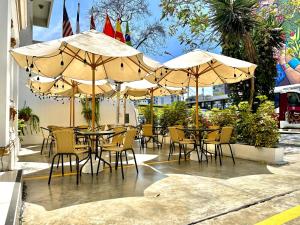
x=144, y=89
x=89, y=55
x=199, y=68
x=66, y=87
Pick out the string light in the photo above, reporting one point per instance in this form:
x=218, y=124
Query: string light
x=38, y=78
x=27, y=69
x=122, y=66
x=29, y=74
x=31, y=65
x=234, y=72
x=62, y=59
x=139, y=71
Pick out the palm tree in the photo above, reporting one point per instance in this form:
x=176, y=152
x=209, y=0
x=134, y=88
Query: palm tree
x=235, y=20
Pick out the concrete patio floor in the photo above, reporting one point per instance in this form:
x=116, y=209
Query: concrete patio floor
x=163, y=192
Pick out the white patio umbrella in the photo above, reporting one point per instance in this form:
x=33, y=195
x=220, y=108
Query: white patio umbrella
x=89, y=55
x=66, y=87
x=199, y=68
x=144, y=89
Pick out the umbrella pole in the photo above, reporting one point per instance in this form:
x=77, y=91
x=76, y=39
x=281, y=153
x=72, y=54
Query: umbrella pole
x=118, y=103
x=93, y=92
x=197, y=113
x=73, y=99
x=151, y=107
x=124, y=109
x=70, y=113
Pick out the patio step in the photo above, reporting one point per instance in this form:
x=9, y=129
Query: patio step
x=11, y=197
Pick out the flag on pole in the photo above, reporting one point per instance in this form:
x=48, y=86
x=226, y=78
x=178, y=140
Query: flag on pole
x=127, y=35
x=77, y=19
x=67, y=28
x=108, y=28
x=119, y=35
x=92, y=24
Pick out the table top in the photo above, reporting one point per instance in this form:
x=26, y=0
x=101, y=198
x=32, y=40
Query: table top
x=99, y=133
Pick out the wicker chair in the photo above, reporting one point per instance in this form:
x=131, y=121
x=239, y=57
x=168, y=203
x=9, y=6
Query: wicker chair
x=225, y=136
x=116, y=140
x=119, y=150
x=65, y=145
x=178, y=137
x=211, y=136
x=46, y=133
x=147, y=132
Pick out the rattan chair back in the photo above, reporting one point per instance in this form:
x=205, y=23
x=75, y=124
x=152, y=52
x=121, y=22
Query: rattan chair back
x=213, y=135
x=173, y=131
x=65, y=140
x=129, y=139
x=225, y=136
x=147, y=130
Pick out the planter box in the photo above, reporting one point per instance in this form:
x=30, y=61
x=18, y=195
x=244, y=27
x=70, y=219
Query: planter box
x=261, y=154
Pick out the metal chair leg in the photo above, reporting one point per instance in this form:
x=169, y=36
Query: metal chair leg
x=179, y=153
x=136, y=167
x=62, y=165
x=51, y=169
x=77, y=169
x=220, y=157
x=70, y=158
x=117, y=159
x=231, y=153
x=43, y=146
x=121, y=164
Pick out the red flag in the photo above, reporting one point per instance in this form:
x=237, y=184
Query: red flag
x=108, y=28
x=92, y=24
x=119, y=35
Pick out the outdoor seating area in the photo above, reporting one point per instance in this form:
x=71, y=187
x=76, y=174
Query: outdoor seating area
x=189, y=116
x=89, y=146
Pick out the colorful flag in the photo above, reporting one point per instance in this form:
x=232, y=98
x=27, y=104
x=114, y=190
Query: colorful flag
x=77, y=19
x=119, y=35
x=127, y=35
x=108, y=28
x=92, y=24
x=67, y=28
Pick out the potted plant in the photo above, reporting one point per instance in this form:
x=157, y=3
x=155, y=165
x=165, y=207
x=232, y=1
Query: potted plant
x=31, y=120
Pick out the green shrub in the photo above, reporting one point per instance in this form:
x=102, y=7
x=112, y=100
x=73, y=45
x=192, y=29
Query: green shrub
x=253, y=128
x=174, y=114
x=259, y=128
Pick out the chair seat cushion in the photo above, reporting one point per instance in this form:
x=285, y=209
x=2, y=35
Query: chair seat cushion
x=81, y=151
x=187, y=141
x=81, y=146
x=212, y=142
x=113, y=149
x=107, y=145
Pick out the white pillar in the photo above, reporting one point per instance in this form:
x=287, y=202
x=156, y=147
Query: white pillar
x=5, y=85
x=5, y=34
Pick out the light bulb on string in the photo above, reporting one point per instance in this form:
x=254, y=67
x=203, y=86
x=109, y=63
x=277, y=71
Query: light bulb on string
x=38, y=78
x=27, y=69
x=122, y=66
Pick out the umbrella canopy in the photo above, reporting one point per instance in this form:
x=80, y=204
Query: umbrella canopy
x=66, y=87
x=73, y=57
x=89, y=55
x=144, y=89
x=199, y=68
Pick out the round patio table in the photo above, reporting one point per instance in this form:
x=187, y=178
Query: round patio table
x=91, y=135
x=198, y=132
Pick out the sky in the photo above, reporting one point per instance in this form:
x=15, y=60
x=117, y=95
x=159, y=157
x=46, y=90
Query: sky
x=54, y=31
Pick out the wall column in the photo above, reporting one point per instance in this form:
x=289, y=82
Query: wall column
x=5, y=34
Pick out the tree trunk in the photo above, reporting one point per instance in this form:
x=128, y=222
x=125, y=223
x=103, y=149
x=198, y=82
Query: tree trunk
x=251, y=57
